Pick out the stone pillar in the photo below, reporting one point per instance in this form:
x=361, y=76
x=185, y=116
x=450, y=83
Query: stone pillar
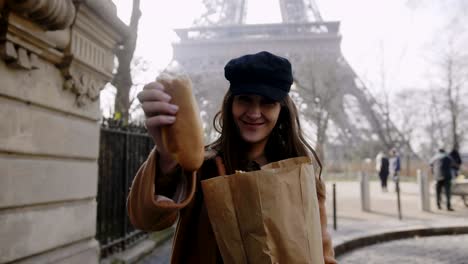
x=55, y=57
x=365, y=192
x=424, y=194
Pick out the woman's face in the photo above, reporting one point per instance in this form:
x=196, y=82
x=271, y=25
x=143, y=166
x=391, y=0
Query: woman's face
x=255, y=116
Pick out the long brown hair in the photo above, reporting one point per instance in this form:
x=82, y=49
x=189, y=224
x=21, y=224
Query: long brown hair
x=285, y=140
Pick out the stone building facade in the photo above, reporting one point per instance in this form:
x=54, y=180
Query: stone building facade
x=55, y=57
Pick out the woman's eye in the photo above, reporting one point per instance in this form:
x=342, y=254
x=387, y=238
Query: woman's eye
x=267, y=101
x=244, y=99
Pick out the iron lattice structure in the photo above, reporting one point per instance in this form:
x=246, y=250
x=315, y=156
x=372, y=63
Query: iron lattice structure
x=324, y=81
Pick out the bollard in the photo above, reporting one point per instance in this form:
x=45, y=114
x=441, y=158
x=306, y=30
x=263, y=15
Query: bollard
x=365, y=196
x=397, y=182
x=425, y=204
x=334, y=206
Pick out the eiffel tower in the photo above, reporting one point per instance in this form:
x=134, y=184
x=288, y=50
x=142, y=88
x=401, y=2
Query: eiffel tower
x=326, y=87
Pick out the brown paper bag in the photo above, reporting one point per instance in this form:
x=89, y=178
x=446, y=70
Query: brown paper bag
x=267, y=216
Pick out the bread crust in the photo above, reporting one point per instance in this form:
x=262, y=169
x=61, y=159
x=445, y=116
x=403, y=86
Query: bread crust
x=184, y=138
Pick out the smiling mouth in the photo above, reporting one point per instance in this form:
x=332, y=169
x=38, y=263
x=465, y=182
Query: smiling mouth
x=253, y=124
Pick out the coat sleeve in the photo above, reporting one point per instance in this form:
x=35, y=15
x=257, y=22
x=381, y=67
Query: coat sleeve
x=154, y=199
x=328, y=251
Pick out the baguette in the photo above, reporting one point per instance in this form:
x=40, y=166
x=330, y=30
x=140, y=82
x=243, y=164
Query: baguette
x=184, y=138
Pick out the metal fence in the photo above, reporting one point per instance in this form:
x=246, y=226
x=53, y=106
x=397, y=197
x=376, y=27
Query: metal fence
x=121, y=153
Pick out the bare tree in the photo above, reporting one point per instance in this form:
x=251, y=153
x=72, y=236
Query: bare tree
x=451, y=83
x=450, y=70
x=435, y=127
x=123, y=77
x=381, y=114
x=407, y=112
x=318, y=90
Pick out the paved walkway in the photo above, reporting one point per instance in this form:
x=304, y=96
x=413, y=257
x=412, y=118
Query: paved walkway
x=161, y=255
x=353, y=223
x=422, y=250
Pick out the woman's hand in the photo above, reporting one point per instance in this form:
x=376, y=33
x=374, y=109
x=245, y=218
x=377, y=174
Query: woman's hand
x=158, y=112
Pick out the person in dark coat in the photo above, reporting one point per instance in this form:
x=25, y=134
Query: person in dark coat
x=441, y=165
x=382, y=167
x=457, y=161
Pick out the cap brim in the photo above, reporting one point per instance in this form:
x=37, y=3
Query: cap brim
x=258, y=89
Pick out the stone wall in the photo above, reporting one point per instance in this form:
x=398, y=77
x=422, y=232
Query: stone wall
x=55, y=57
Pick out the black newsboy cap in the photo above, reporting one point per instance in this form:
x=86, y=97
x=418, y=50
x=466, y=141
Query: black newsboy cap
x=261, y=73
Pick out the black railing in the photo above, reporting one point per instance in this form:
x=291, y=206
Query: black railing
x=121, y=153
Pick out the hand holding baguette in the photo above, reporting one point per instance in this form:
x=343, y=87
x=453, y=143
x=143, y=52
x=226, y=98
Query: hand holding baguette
x=173, y=121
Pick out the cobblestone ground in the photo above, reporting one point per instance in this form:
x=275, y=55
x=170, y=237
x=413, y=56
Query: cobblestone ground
x=427, y=250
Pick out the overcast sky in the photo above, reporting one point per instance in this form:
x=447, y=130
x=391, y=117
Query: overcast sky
x=394, y=35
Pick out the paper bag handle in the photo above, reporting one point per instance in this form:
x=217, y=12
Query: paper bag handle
x=220, y=166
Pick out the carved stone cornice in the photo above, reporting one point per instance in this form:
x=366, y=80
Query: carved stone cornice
x=89, y=57
x=107, y=12
x=83, y=81
x=22, y=42
x=32, y=29
x=51, y=14
x=73, y=35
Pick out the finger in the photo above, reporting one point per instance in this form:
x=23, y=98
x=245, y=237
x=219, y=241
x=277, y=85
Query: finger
x=153, y=95
x=157, y=107
x=159, y=120
x=154, y=85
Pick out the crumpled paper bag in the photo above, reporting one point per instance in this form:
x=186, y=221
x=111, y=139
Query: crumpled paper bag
x=267, y=216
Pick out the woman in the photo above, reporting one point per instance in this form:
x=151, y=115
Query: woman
x=258, y=124
x=381, y=165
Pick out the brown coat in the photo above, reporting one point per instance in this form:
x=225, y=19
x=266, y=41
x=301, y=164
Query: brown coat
x=156, y=200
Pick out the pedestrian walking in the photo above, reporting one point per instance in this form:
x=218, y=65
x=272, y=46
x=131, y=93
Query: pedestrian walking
x=258, y=124
x=441, y=165
x=456, y=161
x=382, y=167
x=394, y=167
